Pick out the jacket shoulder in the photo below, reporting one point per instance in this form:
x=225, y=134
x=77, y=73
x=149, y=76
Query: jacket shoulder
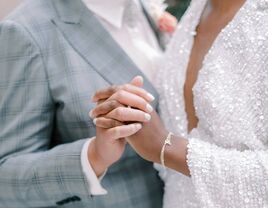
x=35, y=17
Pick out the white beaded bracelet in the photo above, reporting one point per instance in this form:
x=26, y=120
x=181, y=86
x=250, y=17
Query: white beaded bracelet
x=167, y=142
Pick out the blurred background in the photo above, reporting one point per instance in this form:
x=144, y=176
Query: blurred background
x=6, y=6
x=176, y=7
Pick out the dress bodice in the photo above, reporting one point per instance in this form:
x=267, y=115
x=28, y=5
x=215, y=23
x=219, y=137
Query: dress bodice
x=231, y=102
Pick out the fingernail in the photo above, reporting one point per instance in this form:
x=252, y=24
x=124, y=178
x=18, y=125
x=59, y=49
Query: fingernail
x=151, y=97
x=140, y=77
x=147, y=117
x=149, y=108
x=91, y=114
x=95, y=121
x=138, y=126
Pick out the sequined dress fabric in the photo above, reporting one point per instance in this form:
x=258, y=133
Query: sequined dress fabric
x=228, y=151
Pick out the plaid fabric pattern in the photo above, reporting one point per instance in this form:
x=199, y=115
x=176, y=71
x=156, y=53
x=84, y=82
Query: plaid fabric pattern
x=54, y=55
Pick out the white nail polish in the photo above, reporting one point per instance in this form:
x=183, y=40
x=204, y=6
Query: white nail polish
x=140, y=78
x=149, y=108
x=95, y=121
x=152, y=98
x=147, y=117
x=91, y=114
x=138, y=126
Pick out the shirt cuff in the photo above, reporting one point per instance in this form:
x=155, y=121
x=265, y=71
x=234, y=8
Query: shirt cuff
x=94, y=183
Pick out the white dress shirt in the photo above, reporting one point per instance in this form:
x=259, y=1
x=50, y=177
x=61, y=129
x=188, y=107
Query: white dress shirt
x=135, y=36
x=139, y=42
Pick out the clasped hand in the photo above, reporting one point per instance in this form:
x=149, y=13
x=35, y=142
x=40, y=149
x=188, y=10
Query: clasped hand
x=124, y=114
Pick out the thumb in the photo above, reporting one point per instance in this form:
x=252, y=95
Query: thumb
x=137, y=81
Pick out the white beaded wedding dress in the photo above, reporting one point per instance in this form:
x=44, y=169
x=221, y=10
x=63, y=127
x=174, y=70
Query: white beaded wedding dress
x=228, y=151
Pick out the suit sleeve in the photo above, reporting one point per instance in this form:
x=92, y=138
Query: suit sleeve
x=31, y=174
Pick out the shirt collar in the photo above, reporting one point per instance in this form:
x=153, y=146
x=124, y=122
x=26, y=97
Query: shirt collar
x=111, y=11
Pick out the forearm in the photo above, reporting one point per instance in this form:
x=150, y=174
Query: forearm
x=149, y=146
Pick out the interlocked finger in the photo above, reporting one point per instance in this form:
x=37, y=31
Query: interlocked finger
x=124, y=131
x=108, y=92
x=124, y=114
x=106, y=123
x=129, y=99
x=104, y=108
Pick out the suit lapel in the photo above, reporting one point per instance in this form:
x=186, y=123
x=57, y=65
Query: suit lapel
x=153, y=25
x=149, y=18
x=90, y=39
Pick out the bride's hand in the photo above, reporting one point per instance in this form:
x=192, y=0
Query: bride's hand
x=149, y=140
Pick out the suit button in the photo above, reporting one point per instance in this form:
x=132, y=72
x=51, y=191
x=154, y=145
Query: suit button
x=68, y=200
x=60, y=203
x=76, y=198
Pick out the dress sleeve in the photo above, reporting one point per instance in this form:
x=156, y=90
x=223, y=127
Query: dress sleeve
x=228, y=177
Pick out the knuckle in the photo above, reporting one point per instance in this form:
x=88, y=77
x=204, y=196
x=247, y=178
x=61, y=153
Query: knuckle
x=113, y=123
x=112, y=89
x=113, y=104
x=119, y=113
x=100, y=110
x=126, y=86
x=120, y=93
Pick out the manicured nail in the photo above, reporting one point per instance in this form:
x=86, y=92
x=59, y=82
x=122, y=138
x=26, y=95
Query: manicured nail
x=147, y=117
x=140, y=78
x=138, y=126
x=91, y=114
x=149, y=108
x=95, y=121
x=151, y=97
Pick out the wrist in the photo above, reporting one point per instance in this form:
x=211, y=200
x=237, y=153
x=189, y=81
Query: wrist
x=97, y=163
x=176, y=155
x=161, y=138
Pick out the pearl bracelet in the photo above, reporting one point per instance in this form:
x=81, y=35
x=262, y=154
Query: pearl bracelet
x=167, y=142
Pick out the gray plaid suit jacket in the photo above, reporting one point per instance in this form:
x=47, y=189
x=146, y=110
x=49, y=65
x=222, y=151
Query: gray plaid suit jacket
x=54, y=55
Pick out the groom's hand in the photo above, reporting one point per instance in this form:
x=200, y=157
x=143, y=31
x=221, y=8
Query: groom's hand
x=109, y=144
